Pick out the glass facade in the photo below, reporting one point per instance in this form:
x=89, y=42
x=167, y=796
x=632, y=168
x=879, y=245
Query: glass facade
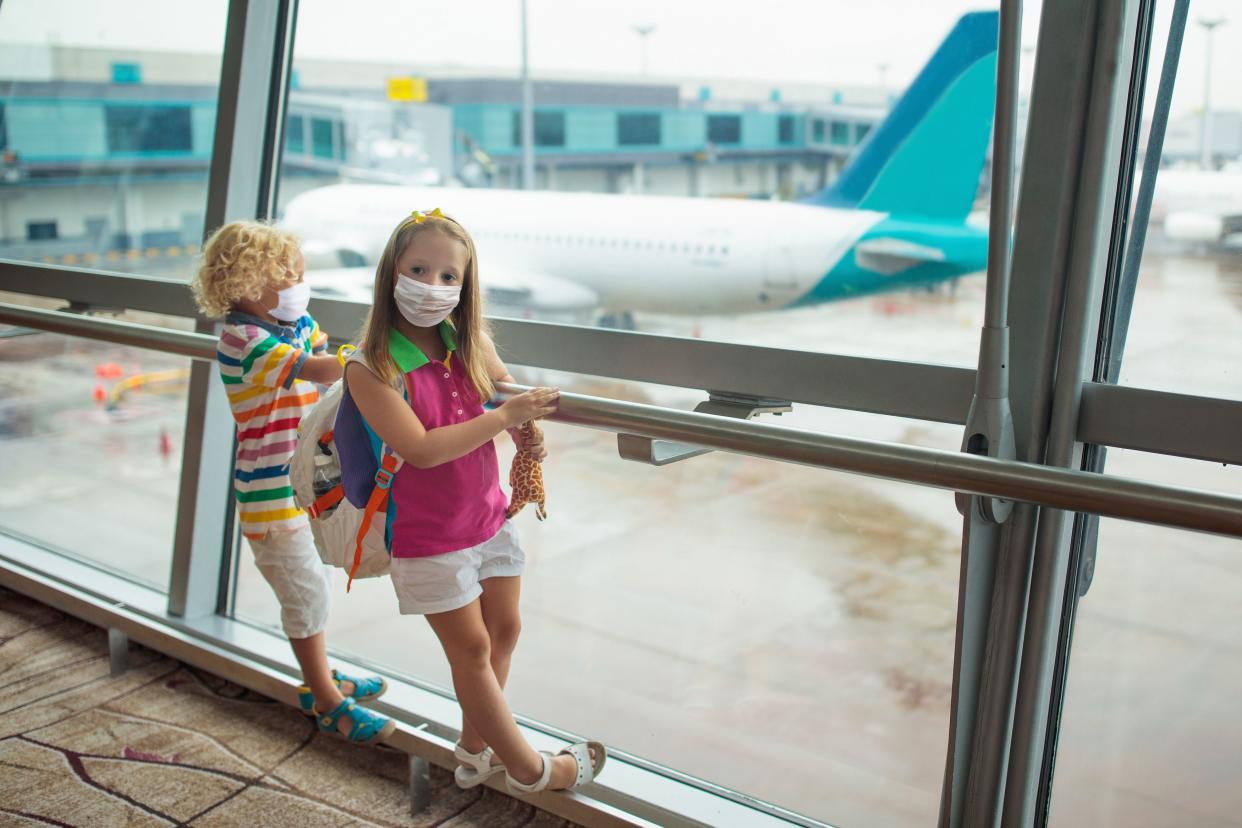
x=775, y=634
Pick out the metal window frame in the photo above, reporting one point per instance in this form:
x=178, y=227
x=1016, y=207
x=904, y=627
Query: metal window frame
x=241, y=185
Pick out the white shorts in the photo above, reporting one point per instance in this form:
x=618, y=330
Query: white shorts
x=440, y=583
x=301, y=581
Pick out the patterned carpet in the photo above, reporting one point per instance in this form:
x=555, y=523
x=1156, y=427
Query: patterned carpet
x=165, y=744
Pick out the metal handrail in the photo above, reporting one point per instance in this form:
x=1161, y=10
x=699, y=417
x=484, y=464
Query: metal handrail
x=1078, y=491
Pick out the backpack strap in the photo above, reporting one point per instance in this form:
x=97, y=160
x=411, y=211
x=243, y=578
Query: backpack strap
x=390, y=464
x=377, y=502
x=326, y=501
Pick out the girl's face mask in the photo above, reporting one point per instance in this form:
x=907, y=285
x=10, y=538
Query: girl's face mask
x=425, y=305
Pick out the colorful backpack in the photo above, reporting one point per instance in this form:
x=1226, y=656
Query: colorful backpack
x=346, y=535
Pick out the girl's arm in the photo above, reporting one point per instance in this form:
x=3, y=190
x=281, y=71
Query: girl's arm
x=499, y=373
x=396, y=424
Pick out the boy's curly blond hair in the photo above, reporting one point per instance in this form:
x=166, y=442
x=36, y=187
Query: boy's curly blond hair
x=239, y=261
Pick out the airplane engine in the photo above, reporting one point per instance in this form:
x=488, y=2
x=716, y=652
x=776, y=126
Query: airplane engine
x=1194, y=227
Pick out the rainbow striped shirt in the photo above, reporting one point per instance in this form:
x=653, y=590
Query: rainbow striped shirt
x=259, y=363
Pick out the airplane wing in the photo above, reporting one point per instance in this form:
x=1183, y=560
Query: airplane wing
x=891, y=256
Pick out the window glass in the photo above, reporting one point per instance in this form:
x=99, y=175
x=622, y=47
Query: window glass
x=720, y=615
x=834, y=234
x=549, y=128
x=735, y=610
x=638, y=128
x=724, y=129
x=786, y=129
x=840, y=133
x=295, y=135
x=91, y=437
x=1150, y=732
x=148, y=129
x=321, y=138
x=1184, y=334
x=106, y=131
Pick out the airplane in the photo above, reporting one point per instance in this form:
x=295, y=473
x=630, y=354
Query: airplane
x=895, y=218
x=1199, y=206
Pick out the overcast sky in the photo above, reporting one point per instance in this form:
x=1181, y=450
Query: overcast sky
x=820, y=41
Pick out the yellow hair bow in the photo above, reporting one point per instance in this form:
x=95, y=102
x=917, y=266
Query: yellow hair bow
x=419, y=216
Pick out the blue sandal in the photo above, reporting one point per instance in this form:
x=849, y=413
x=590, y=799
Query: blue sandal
x=365, y=689
x=367, y=726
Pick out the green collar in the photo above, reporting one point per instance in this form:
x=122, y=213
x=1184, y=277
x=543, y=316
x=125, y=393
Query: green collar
x=408, y=356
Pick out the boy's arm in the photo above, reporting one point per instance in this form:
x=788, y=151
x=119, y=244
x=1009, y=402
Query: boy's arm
x=324, y=369
x=249, y=355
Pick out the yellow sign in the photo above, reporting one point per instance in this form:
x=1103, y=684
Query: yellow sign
x=412, y=90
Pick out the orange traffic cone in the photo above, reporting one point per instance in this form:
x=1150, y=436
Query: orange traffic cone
x=165, y=444
x=100, y=395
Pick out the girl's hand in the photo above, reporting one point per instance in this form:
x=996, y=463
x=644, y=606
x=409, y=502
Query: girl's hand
x=532, y=444
x=529, y=405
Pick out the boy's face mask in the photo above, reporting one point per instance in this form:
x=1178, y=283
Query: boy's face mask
x=425, y=305
x=291, y=303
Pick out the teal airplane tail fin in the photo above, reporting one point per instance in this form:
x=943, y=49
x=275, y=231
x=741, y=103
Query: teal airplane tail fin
x=926, y=157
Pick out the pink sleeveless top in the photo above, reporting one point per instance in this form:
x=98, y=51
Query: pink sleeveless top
x=457, y=504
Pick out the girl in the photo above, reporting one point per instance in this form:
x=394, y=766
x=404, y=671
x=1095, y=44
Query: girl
x=271, y=354
x=419, y=379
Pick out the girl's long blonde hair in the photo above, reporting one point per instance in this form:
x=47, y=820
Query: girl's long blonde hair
x=467, y=318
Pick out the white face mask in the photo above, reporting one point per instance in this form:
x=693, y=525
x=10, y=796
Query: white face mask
x=291, y=302
x=425, y=305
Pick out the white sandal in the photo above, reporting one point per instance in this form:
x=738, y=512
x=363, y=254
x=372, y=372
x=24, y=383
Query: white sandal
x=588, y=769
x=477, y=767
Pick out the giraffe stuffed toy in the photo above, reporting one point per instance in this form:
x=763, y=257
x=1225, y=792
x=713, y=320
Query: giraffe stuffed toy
x=526, y=479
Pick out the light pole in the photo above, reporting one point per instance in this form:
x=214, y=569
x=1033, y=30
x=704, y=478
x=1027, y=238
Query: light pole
x=882, y=68
x=643, y=30
x=1205, y=134
x=528, y=115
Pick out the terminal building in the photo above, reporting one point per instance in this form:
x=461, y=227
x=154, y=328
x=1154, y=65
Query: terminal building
x=141, y=125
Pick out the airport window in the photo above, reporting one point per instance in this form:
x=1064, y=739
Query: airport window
x=549, y=128
x=860, y=132
x=41, y=230
x=636, y=129
x=4, y=133
x=817, y=130
x=840, y=133
x=148, y=128
x=724, y=129
x=785, y=129
x=295, y=135
x=321, y=138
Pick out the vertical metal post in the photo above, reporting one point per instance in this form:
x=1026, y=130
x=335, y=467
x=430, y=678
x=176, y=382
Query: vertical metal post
x=989, y=431
x=1097, y=240
x=241, y=184
x=1205, y=134
x=1062, y=228
x=420, y=785
x=118, y=652
x=528, y=113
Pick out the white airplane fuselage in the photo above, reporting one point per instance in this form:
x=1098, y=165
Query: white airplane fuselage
x=638, y=253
